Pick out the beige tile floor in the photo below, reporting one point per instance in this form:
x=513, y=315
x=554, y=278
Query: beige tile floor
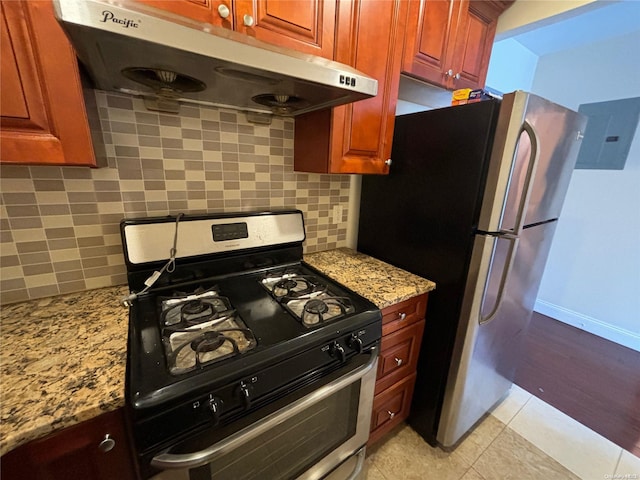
x=523, y=438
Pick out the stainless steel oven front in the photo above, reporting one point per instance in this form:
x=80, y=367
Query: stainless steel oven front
x=319, y=431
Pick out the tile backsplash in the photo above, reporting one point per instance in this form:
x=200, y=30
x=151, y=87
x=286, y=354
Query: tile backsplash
x=59, y=226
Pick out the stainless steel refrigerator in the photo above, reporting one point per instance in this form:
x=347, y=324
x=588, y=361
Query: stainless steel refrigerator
x=472, y=200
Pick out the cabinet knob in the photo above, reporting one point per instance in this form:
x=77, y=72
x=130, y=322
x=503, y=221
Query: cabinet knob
x=402, y=316
x=398, y=361
x=448, y=73
x=248, y=20
x=391, y=414
x=387, y=162
x=107, y=444
x=579, y=135
x=223, y=10
x=456, y=76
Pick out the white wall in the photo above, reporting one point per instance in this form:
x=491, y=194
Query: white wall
x=511, y=67
x=592, y=277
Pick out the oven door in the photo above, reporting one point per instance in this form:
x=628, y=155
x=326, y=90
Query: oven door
x=319, y=435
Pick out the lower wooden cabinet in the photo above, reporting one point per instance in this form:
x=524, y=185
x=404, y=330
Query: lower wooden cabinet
x=402, y=330
x=391, y=407
x=399, y=355
x=98, y=449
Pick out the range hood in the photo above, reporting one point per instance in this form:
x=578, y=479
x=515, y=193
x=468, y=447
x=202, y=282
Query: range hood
x=165, y=58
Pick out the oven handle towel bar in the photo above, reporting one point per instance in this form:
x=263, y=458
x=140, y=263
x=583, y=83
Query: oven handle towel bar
x=202, y=457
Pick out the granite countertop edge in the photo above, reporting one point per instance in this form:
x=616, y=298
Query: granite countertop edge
x=381, y=283
x=85, y=361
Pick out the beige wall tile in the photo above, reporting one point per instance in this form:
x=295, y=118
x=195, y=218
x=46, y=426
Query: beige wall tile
x=159, y=164
x=40, y=280
x=55, y=221
x=7, y=273
x=28, y=235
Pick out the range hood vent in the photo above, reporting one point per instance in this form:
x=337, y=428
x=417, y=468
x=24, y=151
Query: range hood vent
x=140, y=50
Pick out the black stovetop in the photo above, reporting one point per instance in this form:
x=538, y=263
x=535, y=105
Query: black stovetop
x=278, y=334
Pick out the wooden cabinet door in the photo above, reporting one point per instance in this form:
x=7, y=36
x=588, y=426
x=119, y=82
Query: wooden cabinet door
x=398, y=355
x=216, y=12
x=448, y=42
x=42, y=113
x=431, y=29
x=356, y=138
x=391, y=407
x=75, y=453
x=473, y=43
x=303, y=25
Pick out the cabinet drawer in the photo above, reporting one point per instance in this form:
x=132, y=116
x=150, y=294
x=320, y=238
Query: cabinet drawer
x=391, y=407
x=403, y=314
x=399, y=355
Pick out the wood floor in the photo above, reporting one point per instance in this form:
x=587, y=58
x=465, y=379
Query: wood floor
x=593, y=380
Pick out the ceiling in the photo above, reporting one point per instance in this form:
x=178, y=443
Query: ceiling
x=607, y=20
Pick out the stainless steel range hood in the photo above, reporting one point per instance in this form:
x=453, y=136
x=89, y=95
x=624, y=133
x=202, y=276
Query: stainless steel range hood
x=144, y=51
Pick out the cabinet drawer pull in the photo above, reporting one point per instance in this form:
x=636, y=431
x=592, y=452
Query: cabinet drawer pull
x=391, y=414
x=398, y=361
x=402, y=316
x=107, y=444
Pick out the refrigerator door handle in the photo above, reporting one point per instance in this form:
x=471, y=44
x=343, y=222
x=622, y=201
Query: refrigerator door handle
x=512, y=237
x=532, y=166
x=506, y=270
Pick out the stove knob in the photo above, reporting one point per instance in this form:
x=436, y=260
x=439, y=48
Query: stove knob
x=215, y=406
x=245, y=395
x=355, y=342
x=338, y=351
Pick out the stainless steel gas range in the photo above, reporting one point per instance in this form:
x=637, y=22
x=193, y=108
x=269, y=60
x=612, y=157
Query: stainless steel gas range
x=243, y=361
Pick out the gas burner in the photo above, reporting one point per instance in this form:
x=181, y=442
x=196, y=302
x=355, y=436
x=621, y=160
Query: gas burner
x=193, y=309
x=316, y=307
x=285, y=286
x=197, y=346
x=320, y=307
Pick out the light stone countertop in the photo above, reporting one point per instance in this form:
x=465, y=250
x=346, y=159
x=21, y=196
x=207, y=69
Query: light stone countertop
x=375, y=280
x=62, y=359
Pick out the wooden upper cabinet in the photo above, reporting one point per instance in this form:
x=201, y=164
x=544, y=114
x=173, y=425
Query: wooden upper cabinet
x=449, y=42
x=42, y=113
x=216, y=12
x=303, y=25
x=306, y=26
x=356, y=138
x=430, y=26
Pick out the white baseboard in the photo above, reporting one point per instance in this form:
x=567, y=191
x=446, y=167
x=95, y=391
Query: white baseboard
x=589, y=324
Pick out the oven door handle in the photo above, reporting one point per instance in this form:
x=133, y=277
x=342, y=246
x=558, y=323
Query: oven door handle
x=202, y=457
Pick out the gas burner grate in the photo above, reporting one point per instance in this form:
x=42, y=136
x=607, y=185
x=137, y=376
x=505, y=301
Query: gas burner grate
x=319, y=308
x=287, y=285
x=194, y=347
x=201, y=328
